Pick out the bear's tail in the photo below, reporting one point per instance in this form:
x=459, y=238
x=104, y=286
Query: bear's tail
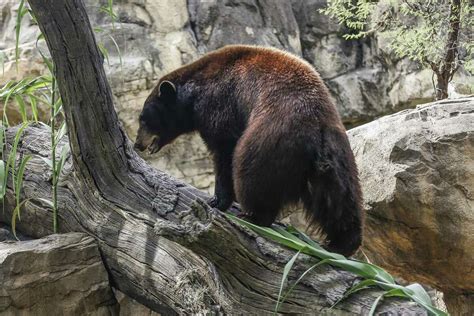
x=333, y=199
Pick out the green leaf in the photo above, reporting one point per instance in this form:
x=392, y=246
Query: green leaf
x=2, y=139
x=287, y=241
x=419, y=292
x=12, y=155
x=21, y=12
x=57, y=107
x=374, y=305
x=305, y=238
x=373, y=275
x=284, y=277
x=104, y=52
x=118, y=52
x=62, y=160
x=21, y=107
x=290, y=290
x=15, y=215
x=3, y=179
x=19, y=182
x=34, y=107
x=61, y=133
x=364, y=269
x=362, y=285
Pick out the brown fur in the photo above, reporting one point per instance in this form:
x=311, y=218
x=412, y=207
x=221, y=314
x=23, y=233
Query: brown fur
x=275, y=133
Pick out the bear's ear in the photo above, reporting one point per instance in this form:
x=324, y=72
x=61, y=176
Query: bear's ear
x=167, y=90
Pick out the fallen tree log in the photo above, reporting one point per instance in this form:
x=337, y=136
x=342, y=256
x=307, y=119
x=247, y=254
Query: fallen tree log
x=161, y=243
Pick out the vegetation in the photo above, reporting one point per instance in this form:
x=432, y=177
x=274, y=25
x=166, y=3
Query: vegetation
x=434, y=33
x=41, y=90
x=372, y=275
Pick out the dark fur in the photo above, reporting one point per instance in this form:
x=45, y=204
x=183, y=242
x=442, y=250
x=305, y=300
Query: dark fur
x=275, y=134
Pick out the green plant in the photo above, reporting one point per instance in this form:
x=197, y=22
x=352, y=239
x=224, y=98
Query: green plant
x=9, y=168
x=109, y=10
x=33, y=89
x=435, y=33
x=56, y=165
x=372, y=274
x=42, y=89
x=22, y=10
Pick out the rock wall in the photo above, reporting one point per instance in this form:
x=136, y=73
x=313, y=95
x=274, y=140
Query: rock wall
x=67, y=277
x=417, y=173
x=155, y=37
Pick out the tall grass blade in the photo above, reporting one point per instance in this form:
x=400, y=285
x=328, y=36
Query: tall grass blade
x=34, y=107
x=362, y=285
x=2, y=139
x=374, y=305
x=3, y=180
x=21, y=107
x=19, y=180
x=15, y=215
x=60, y=163
x=364, y=269
x=290, y=290
x=373, y=275
x=104, y=52
x=12, y=155
x=21, y=12
x=118, y=52
x=284, y=277
x=62, y=131
x=304, y=237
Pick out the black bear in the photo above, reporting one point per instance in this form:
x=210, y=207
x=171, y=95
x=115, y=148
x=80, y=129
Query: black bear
x=274, y=132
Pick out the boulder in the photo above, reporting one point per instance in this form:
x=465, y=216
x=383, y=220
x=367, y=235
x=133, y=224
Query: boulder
x=130, y=307
x=55, y=275
x=417, y=173
x=258, y=22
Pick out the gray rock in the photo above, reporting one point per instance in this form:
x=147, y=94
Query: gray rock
x=130, y=307
x=55, y=275
x=6, y=234
x=155, y=37
x=259, y=22
x=417, y=174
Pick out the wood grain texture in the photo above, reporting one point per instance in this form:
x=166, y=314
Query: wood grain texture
x=161, y=243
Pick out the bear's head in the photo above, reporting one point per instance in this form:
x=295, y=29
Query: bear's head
x=162, y=119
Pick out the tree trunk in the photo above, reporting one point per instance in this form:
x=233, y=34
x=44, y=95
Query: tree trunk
x=449, y=66
x=442, y=81
x=161, y=243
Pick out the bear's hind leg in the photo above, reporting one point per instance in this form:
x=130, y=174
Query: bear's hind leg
x=266, y=177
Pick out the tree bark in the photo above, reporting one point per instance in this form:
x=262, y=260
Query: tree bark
x=448, y=67
x=161, y=243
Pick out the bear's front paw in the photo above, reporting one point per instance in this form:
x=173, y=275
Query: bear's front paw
x=218, y=203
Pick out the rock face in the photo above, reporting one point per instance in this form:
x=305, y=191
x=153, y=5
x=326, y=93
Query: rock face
x=155, y=37
x=417, y=174
x=55, y=275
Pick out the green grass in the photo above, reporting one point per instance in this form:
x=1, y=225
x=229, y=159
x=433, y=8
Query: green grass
x=372, y=275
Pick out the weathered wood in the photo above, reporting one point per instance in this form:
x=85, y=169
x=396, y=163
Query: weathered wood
x=161, y=243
